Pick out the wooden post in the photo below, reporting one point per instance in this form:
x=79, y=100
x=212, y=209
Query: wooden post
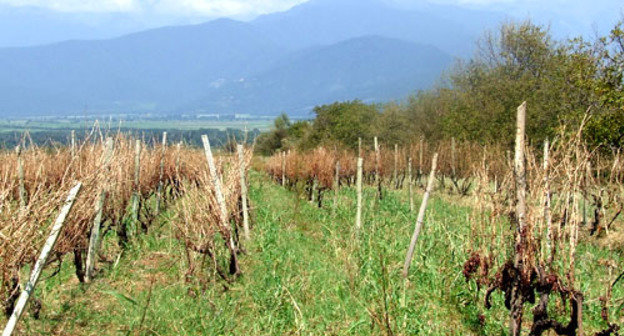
x=73, y=143
x=421, y=217
x=161, y=173
x=517, y=300
x=453, y=170
x=520, y=179
x=41, y=261
x=243, y=186
x=314, y=187
x=336, y=182
x=223, y=215
x=20, y=177
x=395, y=174
x=177, y=162
x=94, y=239
x=137, y=185
x=410, y=183
x=420, y=156
x=495, y=184
x=359, y=147
x=358, y=214
x=377, y=169
x=283, y=168
x=547, y=218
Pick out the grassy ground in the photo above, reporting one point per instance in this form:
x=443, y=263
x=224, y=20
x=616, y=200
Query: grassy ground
x=306, y=272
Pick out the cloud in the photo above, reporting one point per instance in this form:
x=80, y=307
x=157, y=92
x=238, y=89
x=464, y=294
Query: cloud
x=169, y=7
x=76, y=5
x=220, y=7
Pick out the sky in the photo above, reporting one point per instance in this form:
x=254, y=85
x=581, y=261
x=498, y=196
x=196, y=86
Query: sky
x=32, y=22
x=208, y=8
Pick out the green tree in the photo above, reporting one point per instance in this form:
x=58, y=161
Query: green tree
x=342, y=123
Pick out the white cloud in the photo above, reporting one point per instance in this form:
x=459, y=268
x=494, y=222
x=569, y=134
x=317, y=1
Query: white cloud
x=175, y=7
x=77, y=5
x=221, y=7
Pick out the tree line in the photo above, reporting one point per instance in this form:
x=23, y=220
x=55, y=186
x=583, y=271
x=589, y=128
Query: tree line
x=564, y=82
x=226, y=139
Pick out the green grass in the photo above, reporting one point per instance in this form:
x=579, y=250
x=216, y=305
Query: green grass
x=305, y=272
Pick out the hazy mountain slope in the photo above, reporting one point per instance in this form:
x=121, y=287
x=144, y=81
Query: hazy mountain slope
x=370, y=68
x=289, y=61
x=450, y=28
x=155, y=69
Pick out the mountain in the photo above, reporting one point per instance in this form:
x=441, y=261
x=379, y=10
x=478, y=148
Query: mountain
x=155, y=69
x=370, y=68
x=451, y=28
x=317, y=52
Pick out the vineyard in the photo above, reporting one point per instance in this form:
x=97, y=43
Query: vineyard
x=113, y=186
x=117, y=235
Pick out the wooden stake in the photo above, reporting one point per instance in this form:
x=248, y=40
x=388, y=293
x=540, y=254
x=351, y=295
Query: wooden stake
x=94, y=239
x=314, y=187
x=359, y=147
x=395, y=174
x=243, y=186
x=421, y=217
x=41, y=261
x=358, y=214
x=73, y=143
x=517, y=300
x=420, y=157
x=20, y=176
x=410, y=183
x=177, y=162
x=547, y=217
x=283, y=169
x=137, y=178
x=377, y=168
x=223, y=215
x=453, y=170
x=520, y=178
x=161, y=173
x=336, y=182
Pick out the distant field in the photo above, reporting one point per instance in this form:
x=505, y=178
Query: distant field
x=185, y=125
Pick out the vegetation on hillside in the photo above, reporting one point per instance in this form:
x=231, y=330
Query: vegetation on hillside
x=476, y=100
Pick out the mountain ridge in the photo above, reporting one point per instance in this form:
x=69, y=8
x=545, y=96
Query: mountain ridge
x=231, y=66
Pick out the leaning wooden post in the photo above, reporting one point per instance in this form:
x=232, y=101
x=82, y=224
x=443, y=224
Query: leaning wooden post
x=421, y=217
x=223, y=215
x=517, y=299
x=358, y=214
x=40, y=264
x=94, y=239
x=137, y=183
x=20, y=177
x=410, y=183
x=283, y=168
x=243, y=186
x=161, y=173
